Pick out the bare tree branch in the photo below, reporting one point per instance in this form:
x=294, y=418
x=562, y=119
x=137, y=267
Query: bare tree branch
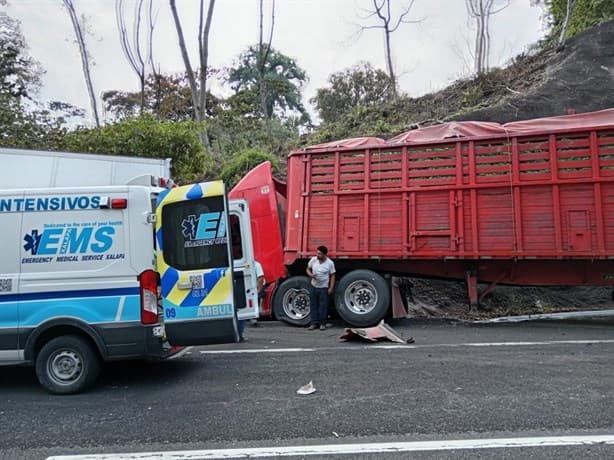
x=85, y=58
x=132, y=48
x=382, y=10
x=568, y=10
x=198, y=89
x=480, y=12
x=264, y=50
x=186, y=60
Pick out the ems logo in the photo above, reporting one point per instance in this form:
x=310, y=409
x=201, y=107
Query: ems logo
x=56, y=241
x=32, y=242
x=204, y=230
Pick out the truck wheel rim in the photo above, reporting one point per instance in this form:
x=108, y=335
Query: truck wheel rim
x=65, y=367
x=360, y=297
x=296, y=304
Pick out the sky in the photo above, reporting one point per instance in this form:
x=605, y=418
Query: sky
x=323, y=36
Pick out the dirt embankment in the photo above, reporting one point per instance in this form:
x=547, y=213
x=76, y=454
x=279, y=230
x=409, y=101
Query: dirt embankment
x=580, y=76
x=435, y=298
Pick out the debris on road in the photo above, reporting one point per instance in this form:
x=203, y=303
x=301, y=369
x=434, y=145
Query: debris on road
x=306, y=389
x=375, y=333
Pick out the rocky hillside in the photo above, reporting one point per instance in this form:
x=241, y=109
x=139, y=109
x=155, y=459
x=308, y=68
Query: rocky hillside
x=578, y=77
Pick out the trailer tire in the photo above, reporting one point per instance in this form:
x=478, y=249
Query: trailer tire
x=67, y=365
x=362, y=298
x=291, y=301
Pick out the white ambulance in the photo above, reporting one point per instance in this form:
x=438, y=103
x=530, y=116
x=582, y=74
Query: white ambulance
x=103, y=272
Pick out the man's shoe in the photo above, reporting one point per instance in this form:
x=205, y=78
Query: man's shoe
x=329, y=325
x=312, y=327
x=322, y=327
x=242, y=339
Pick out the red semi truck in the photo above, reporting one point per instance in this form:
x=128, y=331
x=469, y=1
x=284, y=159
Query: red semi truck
x=524, y=203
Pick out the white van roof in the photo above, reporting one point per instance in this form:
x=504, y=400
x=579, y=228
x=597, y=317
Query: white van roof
x=39, y=169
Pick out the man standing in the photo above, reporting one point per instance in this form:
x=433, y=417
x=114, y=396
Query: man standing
x=321, y=270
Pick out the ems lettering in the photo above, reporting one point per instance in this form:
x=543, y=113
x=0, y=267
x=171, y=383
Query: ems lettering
x=211, y=225
x=53, y=241
x=214, y=311
x=54, y=203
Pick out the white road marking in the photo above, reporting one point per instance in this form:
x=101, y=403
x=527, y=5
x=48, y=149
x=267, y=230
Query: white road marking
x=407, y=347
x=560, y=315
x=185, y=351
x=348, y=449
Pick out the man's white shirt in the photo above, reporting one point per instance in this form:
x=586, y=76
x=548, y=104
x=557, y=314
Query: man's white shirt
x=321, y=272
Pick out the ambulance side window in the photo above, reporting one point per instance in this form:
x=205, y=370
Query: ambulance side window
x=237, y=240
x=194, y=234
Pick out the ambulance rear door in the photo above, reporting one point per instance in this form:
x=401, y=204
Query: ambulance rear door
x=195, y=265
x=244, y=268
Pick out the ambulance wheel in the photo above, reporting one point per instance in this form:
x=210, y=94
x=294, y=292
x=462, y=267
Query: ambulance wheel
x=67, y=365
x=362, y=298
x=291, y=301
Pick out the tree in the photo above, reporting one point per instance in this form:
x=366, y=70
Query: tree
x=166, y=97
x=243, y=162
x=568, y=17
x=283, y=79
x=19, y=82
x=19, y=73
x=361, y=85
x=568, y=10
x=146, y=137
x=481, y=11
x=383, y=14
x=263, y=54
x=78, y=27
x=198, y=90
x=137, y=53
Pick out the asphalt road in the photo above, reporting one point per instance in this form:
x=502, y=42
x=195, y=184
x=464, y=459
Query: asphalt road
x=545, y=387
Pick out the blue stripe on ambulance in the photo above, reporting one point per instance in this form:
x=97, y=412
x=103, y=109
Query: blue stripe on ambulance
x=195, y=192
x=197, y=296
x=96, y=306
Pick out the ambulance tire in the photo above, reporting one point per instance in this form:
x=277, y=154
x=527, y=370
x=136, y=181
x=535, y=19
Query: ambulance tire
x=362, y=298
x=67, y=364
x=291, y=301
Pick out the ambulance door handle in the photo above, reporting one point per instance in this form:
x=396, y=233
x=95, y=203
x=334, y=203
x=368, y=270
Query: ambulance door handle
x=184, y=285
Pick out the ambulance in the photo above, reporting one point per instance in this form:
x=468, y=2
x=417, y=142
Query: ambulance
x=91, y=273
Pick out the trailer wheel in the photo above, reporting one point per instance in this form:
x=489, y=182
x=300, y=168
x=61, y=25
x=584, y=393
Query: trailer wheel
x=291, y=301
x=67, y=365
x=362, y=298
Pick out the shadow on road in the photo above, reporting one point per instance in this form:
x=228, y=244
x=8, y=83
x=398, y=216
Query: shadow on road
x=125, y=374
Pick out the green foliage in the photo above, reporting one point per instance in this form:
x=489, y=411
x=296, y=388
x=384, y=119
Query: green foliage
x=472, y=96
x=146, y=137
x=19, y=73
x=28, y=130
x=379, y=120
x=167, y=97
x=586, y=14
x=283, y=81
x=361, y=85
x=243, y=162
x=19, y=83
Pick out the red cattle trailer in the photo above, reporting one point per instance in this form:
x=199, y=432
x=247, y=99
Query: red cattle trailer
x=524, y=203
